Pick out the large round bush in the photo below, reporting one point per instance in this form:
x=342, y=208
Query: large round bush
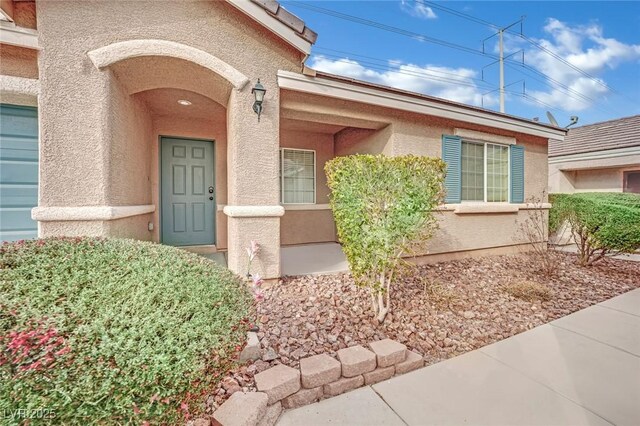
x=113, y=331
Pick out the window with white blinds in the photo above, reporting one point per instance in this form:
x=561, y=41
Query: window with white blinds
x=484, y=172
x=297, y=176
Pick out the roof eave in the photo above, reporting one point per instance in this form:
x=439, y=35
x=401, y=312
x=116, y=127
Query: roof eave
x=392, y=98
x=261, y=16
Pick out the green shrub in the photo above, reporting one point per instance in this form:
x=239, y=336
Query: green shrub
x=601, y=224
x=529, y=291
x=383, y=208
x=114, y=331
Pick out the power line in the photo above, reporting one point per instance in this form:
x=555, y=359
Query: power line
x=426, y=38
x=528, y=40
x=401, y=31
x=331, y=52
x=422, y=74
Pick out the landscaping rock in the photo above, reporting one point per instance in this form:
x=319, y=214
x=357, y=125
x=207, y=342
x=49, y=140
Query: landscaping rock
x=272, y=415
x=428, y=306
x=242, y=409
x=302, y=397
x=356, y=360
x=319, y=370
x=251, y=351
x=343, y=385
x=388, y=352
x=278, y=382
x=413, y=362
x=378, y=375
x=270, y=355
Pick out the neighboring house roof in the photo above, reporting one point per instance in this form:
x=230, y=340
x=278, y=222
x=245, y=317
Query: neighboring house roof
x=603, y=136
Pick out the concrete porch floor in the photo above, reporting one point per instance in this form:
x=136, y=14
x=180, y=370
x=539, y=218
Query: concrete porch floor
x=313, y=259
x=308, y=259
x=583, y=369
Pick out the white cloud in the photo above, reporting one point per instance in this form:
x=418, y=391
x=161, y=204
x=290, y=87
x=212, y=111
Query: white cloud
x=418, y=9
x=584, y=47
x=455, y=84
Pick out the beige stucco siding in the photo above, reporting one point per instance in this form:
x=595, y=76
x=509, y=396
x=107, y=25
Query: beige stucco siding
x=406, y=133
x=97, y=146
x=593, y=171
x=18, y=61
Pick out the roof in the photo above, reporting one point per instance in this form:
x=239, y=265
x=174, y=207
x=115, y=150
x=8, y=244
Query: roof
x=329, y=85
x=429, y=98
x=276, y=10
x=603, y=136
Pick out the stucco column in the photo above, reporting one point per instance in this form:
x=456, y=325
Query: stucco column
x=72, y=110
x=253, y=208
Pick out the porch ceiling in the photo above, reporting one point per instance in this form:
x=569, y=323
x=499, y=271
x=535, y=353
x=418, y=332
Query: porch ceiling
x=154, y=72
x=164, y=102
x=305, y=113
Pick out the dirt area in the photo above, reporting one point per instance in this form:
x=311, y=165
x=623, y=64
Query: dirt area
x=439, y=310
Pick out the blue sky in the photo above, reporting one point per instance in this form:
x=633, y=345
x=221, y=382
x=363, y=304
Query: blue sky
x=601, y=39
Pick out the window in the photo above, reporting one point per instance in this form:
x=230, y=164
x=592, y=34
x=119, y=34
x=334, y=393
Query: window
x=298, y=176
x=485, y=172
x=632, y=182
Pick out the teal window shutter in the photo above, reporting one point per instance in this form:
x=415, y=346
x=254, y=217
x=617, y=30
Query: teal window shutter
x=452, y=155
x=516, y=153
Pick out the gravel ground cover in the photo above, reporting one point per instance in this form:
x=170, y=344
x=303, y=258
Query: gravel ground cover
x=440, y=310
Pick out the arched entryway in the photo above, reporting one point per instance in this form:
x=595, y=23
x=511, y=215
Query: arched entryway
x=168, y=113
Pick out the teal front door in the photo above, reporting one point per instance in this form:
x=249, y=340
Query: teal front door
x=188, y=192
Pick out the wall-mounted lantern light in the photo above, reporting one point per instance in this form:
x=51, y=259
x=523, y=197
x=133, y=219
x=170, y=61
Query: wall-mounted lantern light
x=258, y=91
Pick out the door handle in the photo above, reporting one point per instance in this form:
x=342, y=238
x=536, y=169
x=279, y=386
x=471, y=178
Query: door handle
x=211, y=190
x=211, y=198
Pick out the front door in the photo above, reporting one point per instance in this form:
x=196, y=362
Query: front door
x=188, y=193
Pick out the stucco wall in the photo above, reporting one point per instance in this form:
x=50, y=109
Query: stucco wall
x=610, y=179
x=352, y=141
x=80, y=137
x=407, y=133
x=18, y=61
x=310, y=226
x=127, y=158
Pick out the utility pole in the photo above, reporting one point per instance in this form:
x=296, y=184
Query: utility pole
x=501, y=59
x=501, y=34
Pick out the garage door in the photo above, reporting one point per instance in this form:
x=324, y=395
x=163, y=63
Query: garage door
x=18, y=172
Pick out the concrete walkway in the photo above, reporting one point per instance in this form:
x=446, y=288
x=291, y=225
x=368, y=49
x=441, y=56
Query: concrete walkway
x=583, y=369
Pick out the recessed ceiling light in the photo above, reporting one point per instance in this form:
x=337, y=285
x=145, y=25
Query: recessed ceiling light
x=184, y=102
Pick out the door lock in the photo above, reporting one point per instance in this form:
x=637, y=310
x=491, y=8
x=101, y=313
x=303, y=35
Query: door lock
x=211, y=198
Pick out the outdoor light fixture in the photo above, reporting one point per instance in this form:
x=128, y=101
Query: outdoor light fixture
x=258, y=91
x=184, y=102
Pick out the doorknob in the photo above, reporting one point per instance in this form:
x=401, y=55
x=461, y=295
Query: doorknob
x=211, y=198
x=211, y=190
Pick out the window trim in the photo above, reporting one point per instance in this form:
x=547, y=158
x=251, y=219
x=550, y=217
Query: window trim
x=315, y=177
x=485, y=188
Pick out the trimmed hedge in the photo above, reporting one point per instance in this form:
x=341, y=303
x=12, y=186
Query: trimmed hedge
x=383, y=209
x=601, y=223
x=114, y=331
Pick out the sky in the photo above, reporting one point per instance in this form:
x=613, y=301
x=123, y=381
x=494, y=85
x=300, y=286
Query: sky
x=581, y=58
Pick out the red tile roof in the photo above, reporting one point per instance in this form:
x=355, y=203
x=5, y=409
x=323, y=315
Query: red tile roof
x=276, y=10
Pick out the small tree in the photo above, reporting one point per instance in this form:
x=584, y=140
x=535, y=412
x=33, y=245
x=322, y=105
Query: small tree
x=602, y=224
x=383, y=209
x=533, y=229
